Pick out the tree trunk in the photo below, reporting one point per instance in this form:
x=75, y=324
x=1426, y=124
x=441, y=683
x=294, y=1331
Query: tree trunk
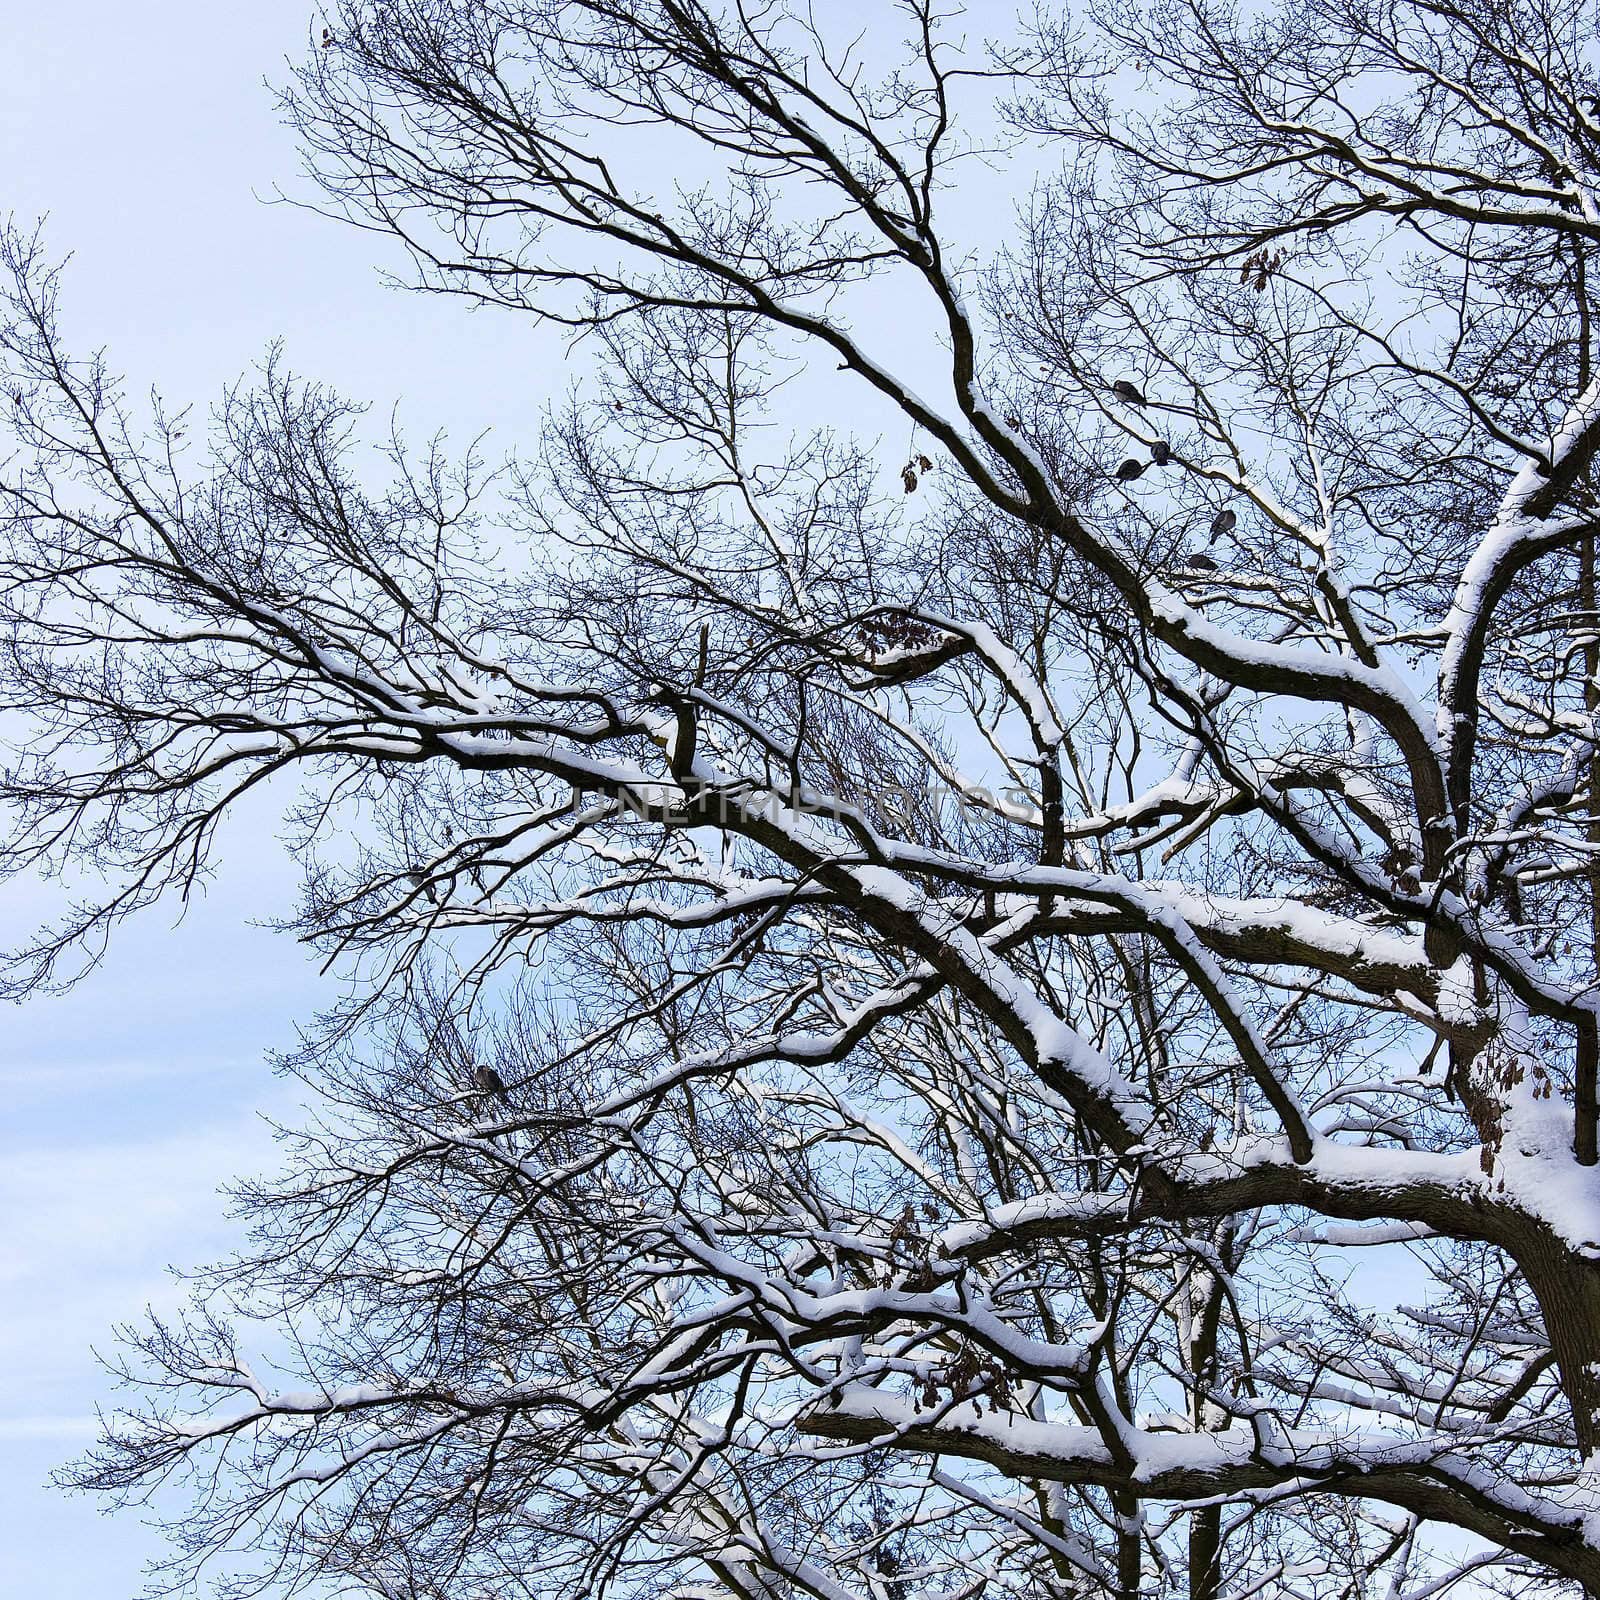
x=1568, y=1289
x=1130, y=1566
x=1205, y=1553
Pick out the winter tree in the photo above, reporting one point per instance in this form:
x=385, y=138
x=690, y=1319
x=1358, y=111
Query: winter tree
x=997, y=1001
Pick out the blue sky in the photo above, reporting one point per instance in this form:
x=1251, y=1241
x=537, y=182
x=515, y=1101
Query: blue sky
x=147, y=135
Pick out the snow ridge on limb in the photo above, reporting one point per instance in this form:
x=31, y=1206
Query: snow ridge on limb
x=1425, y=1476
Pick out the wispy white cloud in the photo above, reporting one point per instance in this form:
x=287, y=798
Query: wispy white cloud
x=71, y=1430
x=76, y=1075
x=88, y=1232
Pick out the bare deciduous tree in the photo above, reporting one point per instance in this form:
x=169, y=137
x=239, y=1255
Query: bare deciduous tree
x=1012, y=1012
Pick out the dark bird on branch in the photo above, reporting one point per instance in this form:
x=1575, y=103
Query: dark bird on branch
x=1200, y=562
x=1161, y=452
x=1129, y=392
x=1224, y=522
x=1129, y=470
x=490, y=1081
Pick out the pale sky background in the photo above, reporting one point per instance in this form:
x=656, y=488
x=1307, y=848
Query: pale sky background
x=147, y=135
